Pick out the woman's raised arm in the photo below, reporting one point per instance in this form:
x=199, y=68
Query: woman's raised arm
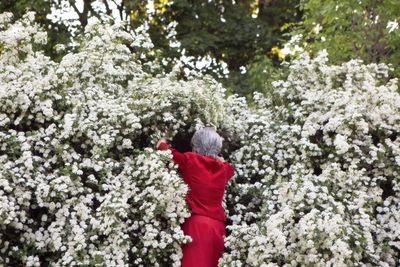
x=178, y=158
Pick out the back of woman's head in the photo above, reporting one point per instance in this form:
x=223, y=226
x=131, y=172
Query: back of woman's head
x=206, y=141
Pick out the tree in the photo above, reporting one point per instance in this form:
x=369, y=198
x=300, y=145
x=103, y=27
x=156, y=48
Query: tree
x=223, y=35
x=228, y=31
x=366, y=29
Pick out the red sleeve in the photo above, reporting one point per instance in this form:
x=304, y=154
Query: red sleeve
x=163, y=146
x=178, y=157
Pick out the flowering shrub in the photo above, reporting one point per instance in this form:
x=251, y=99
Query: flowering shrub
x=79, y=181
x=316, y=160
x=318, y=171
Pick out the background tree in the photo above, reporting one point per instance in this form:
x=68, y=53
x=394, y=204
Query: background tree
x=228, y=34
x=366, y=29
x=239, y=33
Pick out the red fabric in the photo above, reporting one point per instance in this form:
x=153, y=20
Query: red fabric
x=206, y=178
x=207, y=243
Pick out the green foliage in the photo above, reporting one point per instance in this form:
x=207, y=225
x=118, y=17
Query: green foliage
x=257, y=77
x=228, y=31
x=237, y=33
x=352, y=29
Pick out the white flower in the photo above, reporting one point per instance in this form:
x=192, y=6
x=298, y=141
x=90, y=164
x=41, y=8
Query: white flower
x=341, y=144
x=317, y=28
x=392, y=25
x=40, y=38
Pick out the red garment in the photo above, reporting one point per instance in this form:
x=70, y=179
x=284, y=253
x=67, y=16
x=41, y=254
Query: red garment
x=207, y=243
x=206, y=178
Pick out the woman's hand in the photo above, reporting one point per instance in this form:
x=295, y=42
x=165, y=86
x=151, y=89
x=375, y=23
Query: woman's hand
x=221, y=159
x=162, y=140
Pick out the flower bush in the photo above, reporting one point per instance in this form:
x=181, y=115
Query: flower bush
x=316, y=159
x=318, y=170
x=80, y=182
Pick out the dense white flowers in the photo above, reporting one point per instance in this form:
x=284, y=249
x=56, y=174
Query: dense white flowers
x=318, y=173
x=79, y=185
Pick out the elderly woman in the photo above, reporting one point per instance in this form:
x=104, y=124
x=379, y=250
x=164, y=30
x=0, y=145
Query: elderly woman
x=206, y=174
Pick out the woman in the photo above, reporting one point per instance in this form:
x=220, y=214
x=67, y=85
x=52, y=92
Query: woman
x=206, y=174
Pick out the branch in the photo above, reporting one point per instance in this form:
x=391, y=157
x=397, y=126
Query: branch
x=82, y=15
x=120, y=9
x=72, y=3
x=108, y=10
x=90, y=8
x=261, y=4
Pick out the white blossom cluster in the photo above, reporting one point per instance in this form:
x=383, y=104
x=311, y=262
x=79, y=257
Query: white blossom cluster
x=318, y=170
x=80, y=182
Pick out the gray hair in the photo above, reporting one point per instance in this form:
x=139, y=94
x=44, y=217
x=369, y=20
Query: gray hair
x=207, y=142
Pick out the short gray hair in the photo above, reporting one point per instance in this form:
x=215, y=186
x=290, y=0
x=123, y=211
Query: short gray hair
x=206, y=141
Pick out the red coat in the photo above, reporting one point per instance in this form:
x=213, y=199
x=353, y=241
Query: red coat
x=206, y=178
